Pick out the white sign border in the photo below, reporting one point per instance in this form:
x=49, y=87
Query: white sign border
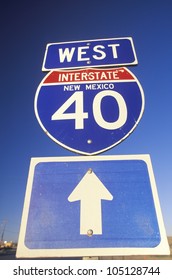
x=24, y=252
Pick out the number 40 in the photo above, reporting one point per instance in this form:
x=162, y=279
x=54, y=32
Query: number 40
x=79, y=115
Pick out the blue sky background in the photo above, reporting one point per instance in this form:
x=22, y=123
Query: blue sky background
x=26, y=28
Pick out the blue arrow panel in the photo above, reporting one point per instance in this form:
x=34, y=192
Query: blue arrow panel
x=129, y=220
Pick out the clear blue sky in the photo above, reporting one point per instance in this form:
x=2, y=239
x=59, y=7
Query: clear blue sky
x=26, y=28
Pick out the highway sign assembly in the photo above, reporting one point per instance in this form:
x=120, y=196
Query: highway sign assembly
x=96, y=205
x=90, y=53
x=91, y=206
x=89, y=110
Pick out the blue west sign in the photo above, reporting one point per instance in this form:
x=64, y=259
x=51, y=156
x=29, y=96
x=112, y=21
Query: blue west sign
x=90, y=110
x=91, y=206
x=90, y=53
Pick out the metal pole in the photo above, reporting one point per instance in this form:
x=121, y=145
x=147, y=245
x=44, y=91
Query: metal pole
x=3, y=231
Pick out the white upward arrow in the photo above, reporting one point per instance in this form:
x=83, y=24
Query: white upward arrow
x=90, y=191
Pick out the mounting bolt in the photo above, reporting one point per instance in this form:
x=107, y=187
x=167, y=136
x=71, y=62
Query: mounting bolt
x=90, y=170
x=90, y=232
x=89, y=141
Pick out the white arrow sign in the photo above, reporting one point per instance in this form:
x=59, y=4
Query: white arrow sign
x=90, y=191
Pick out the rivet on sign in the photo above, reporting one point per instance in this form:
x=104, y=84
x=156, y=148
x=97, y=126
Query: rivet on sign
x=89, y=141
x=89, y=170
x=90, y=232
